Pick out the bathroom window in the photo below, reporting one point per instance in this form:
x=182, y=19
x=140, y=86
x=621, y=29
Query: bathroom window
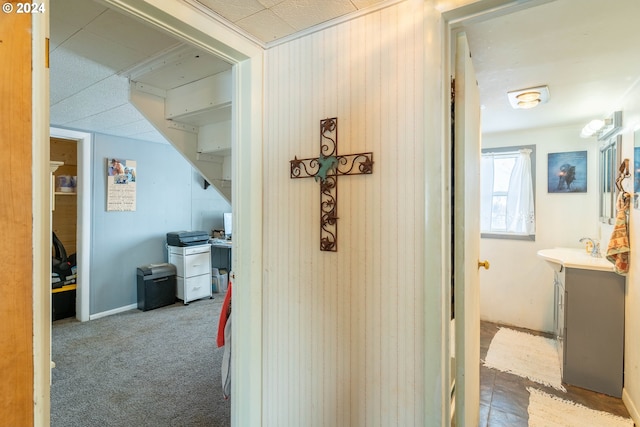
x=507, y=192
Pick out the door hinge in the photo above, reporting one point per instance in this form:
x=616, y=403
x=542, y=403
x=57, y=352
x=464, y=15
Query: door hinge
x=453, y=90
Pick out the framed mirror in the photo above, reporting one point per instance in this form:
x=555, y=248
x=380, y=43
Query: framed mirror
x=636, y=168
x=609, y=161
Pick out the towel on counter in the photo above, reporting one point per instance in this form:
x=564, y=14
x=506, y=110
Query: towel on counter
x=618, y=249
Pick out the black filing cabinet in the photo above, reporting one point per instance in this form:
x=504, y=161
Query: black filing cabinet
x=156, y=286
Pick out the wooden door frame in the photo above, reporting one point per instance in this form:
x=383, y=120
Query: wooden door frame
x=41, y=201
x=83, y=232
x=214, y=36
x=449, y=23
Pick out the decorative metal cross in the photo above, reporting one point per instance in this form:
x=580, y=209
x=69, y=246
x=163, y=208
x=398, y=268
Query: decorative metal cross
x=327, y=168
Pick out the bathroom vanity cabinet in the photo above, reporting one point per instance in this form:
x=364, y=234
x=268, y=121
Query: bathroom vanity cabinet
x=589, y=325
x=558, y=310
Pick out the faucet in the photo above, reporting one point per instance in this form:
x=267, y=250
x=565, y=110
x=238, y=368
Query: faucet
x=595, y=246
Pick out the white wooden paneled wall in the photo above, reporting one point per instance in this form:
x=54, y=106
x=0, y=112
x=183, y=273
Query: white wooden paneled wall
x=343, y=332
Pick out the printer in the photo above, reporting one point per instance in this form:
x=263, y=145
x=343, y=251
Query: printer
x=187, y=238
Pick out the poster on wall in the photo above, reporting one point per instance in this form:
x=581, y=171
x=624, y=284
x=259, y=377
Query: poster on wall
x=567, y=172
x=121, y=185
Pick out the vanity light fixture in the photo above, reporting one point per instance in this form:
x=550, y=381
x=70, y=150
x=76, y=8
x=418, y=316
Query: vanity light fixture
x=528, y=98
x=612, y=125
x=603, y=129
x=592, y=128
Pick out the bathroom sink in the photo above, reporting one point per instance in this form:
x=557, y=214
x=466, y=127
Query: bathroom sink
x=574, y=258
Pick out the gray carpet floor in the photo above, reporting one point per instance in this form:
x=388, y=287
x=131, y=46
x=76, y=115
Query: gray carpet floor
x=155, y=368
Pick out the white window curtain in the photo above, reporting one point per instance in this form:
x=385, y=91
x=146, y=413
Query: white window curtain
x=486, y=191
x=520, y=217
x=520, y=211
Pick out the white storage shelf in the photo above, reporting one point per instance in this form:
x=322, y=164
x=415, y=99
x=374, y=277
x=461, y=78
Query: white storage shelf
x=193, y=271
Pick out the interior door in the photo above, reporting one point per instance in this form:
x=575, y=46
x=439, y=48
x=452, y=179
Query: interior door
x=466, y=236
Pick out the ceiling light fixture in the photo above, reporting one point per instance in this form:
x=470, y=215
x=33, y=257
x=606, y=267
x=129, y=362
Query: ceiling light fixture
x=528, y=104
x=528, y=98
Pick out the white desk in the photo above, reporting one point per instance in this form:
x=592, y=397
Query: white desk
x=219, y=243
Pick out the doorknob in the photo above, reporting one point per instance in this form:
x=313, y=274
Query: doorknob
x=484, y=264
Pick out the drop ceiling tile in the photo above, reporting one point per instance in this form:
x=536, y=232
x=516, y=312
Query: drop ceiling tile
x=140, y=129
x=124, y=31
x=152, y=136
x=266, y=26
x=76, y=12
x=58, y=34
x=107, y=120
x=133, y=128
x=69, y=16
x=104, y=95
x=269, y=3
x=233, y=11
x=71, y=73
x=302, y=14
x=110, y=91
x=362, y=4
x=62, y=113
x=104, y=51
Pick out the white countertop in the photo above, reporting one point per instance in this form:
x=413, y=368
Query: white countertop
x=575, y=258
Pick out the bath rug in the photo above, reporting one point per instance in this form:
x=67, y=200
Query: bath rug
x=546, y=410
x=526, y=355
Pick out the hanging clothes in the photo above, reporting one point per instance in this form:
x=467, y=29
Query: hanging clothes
x=618, y=249
x=224, y=339
x=224, y=316
x=226, y=361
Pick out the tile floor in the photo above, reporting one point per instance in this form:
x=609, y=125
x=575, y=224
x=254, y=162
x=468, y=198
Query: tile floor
x=504, y=397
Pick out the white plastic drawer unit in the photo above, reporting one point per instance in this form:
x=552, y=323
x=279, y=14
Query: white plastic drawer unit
x=193, y=250
x=198, y=287
x=193, y=288
x=193, y=269
x=191, y=262
x=197, y=264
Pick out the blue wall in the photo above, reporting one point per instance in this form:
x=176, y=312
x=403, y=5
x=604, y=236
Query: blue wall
x=170, y=197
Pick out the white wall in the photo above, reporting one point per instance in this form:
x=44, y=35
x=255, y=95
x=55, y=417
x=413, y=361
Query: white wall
x=518, y=288
x=343, y=332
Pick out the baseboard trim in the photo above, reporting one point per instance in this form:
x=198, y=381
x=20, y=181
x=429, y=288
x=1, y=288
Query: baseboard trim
x=631, y=407
x=114, y=311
